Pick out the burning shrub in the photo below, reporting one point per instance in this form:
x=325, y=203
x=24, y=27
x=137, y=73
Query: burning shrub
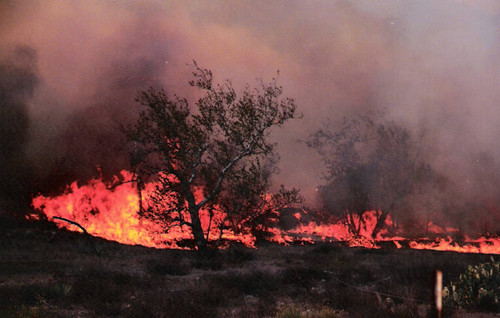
x=372, y=163
x=477, y=288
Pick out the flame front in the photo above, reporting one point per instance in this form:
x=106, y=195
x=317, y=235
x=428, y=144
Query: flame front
x=110, y=210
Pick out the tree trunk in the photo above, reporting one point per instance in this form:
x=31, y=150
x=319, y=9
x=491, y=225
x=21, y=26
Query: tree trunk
x=380, y=223
x=140, y=185
x=199, y=237
x=194, y=213
x=351, y=222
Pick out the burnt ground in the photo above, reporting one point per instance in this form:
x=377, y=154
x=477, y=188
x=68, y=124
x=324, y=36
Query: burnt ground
x=45, y=272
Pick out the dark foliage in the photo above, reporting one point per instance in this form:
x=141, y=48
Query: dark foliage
x=220, y=145
x=372, y=164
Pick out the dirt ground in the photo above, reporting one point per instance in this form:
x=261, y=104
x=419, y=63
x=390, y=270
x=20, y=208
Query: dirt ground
x=45, y=272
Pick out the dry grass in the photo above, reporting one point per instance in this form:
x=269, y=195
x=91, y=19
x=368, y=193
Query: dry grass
x=48, y=273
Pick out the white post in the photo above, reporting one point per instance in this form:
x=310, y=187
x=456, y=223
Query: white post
x=438, y=293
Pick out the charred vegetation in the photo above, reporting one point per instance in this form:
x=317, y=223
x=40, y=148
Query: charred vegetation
x=44, y=276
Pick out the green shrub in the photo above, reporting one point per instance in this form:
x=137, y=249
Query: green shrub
x=477, y=288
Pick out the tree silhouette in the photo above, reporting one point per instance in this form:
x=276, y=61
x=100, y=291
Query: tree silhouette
x=371, y=164
x=220, y=148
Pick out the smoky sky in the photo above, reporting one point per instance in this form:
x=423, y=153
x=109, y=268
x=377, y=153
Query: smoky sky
x=18, y=81
x=433, y=66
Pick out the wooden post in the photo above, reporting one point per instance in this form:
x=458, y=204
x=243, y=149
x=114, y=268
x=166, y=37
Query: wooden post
x=438, y=293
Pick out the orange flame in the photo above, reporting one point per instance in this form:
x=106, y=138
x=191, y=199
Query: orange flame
x=110, y=210
x=480, y=245
x=111, y=213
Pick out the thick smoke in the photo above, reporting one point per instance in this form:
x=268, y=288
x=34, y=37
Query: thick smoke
x=18, y=80
x=432, y=66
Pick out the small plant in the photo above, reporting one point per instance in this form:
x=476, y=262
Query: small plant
x=63, y=289
x=477, y=288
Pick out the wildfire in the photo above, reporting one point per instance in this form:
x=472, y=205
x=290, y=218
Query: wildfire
x=110, y=210
x=481, y=245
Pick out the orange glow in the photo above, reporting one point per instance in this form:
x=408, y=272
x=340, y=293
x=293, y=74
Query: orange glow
x=110, y=210
x=340, y=231
x=481, y=245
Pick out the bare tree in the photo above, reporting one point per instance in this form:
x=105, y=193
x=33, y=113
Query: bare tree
x=216, y=148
